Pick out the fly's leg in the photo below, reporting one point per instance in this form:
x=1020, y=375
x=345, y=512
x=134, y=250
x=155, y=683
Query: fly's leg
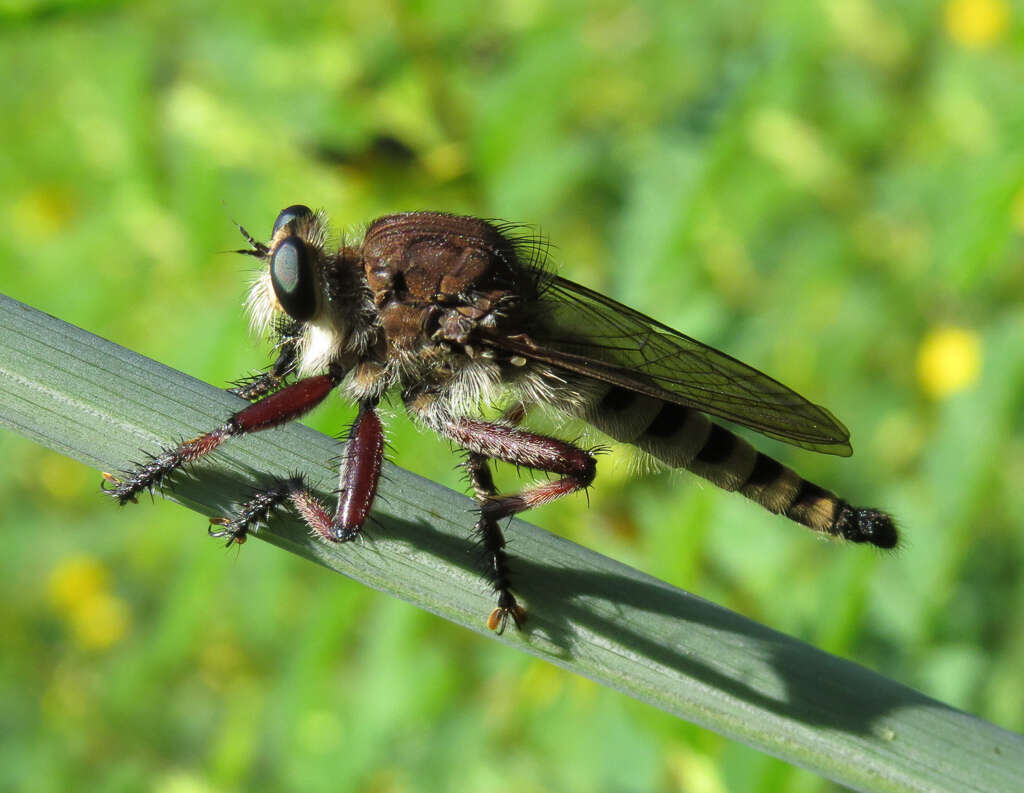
x=486, y=440
x=256, y=510
x=493, y=544
x=491, y=539
x=279, y=408
x=253, y=388
x=575, y=466
x=359, y=476
x=360, y=473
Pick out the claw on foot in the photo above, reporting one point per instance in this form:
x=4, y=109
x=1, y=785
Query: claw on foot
x=498, y=619
x=235, y=535
x=114, y=483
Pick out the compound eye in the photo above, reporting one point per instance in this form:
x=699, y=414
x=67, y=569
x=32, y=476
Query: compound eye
x=286, y=216
x=291, y=273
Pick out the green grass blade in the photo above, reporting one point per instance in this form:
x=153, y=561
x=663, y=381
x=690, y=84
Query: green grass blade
x=101, y=404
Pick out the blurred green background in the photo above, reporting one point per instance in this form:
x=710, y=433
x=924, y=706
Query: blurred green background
x=831, y=191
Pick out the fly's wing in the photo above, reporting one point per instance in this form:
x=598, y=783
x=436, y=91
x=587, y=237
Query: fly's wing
x=589, y=334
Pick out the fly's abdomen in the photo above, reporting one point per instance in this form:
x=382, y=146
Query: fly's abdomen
x=682, y=437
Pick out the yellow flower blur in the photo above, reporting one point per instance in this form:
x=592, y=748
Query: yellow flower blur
x=977, y=24
x=100, y=621
x=948, y=361
x=76, y=579
x=80, y=592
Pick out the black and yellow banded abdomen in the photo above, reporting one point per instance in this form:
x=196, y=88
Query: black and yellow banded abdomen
x=682, y=437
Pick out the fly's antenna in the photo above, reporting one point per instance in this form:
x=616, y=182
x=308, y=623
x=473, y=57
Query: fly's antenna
x=258, y=249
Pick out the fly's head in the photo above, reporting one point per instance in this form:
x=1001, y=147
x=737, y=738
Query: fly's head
x=318, y=295
x=292, y=285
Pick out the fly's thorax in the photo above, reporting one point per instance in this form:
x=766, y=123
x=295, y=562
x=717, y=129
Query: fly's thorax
x=367, y=380
x=435, y=256
x=467, y=386
x=453, y=380
x=442, y=278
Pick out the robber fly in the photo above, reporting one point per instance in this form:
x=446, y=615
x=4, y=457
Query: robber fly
x=455, y=313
